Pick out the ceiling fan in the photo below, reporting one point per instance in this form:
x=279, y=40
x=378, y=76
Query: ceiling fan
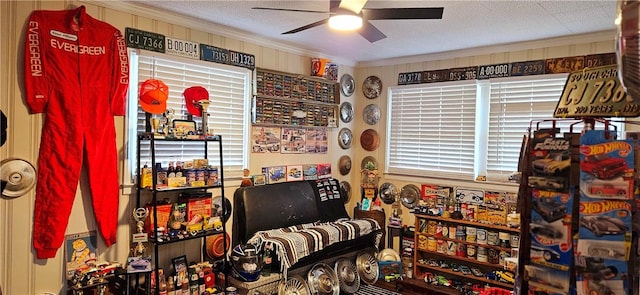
x=354, y=9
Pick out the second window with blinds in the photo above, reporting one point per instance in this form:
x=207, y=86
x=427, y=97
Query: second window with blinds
x=460, y=130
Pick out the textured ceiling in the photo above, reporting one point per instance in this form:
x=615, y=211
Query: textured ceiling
x=465, y=24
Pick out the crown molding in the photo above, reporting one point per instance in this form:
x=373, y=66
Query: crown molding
x=249, y=37
x=492, y=49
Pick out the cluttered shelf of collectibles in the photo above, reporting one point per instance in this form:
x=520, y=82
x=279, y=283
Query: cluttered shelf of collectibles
x=410, y=286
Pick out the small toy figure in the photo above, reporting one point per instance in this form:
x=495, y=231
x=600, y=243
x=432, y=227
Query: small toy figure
x=246, y=179
x=176, y=220
x=139, y=249
x=370, y=176
x=369, y=184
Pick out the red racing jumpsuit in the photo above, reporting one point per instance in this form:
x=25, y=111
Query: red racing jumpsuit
x=77, y=73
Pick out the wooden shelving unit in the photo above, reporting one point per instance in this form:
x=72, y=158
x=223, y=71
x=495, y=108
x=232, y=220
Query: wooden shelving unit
x=421, y=253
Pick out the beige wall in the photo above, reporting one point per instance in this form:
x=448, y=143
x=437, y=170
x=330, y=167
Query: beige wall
x=22, y=273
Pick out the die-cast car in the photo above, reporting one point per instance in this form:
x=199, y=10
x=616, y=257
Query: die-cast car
x=550, y=209
x=545, y=231
x=505, y=276
x=551, y=183
x=545, y=253
x=607, y=190
x=603, y=166
x=553, y=164
x=603, y=225
x=595, y=268
x=598, y=287
x=605, y=252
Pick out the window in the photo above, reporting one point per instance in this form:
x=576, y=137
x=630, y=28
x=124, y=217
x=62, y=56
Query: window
x=514, y=102
x=229, y=94
x=459, y=130
x=431, y=129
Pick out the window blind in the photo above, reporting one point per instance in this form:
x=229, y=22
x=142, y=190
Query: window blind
x=514, y=103
x=432, y=130
x=229, y=96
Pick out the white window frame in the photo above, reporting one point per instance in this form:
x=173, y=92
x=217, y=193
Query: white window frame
x=487, y=132
x=236, y=157
x=434, y=160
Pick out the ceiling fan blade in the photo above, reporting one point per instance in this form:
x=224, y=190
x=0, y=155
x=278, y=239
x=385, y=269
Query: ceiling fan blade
x=334, y=5
x=370, y=32
x=287, y=9
x=309, y=26
x=353, y=5
x=403, y=13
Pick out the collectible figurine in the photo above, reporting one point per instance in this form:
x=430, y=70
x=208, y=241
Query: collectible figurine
x=140, y=214
x=246, y=178
x=369, y=185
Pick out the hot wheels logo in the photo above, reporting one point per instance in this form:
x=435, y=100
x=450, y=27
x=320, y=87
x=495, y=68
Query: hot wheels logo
x=549, y=194
x=604, y=206
x=622, y=147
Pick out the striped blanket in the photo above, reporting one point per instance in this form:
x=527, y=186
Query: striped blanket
x=296, y=242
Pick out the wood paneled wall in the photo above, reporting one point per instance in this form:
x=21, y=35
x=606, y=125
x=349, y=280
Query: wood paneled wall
x=22, y=273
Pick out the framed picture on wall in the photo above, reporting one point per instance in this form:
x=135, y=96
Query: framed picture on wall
x=80, y=251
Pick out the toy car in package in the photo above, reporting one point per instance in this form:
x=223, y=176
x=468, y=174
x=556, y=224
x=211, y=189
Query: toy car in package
x=550, y=229
x=599, y=276
x=606, y=166
x=605, y=228
x=553, y=281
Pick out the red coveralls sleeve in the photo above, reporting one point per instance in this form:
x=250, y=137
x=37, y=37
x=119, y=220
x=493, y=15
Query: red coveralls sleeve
x=120, y=76
x=35, y=79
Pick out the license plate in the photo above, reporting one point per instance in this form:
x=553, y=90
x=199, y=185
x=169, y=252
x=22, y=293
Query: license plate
x=144, y=40
x=595, y=92
x=182, y=48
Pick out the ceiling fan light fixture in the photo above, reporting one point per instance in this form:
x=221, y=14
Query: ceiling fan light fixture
x=345, y=22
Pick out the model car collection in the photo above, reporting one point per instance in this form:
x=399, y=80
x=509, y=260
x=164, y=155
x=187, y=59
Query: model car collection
x=430, y=278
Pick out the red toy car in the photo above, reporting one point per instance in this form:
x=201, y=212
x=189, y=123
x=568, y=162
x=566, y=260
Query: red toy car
x=603, y=166
x=607, y=190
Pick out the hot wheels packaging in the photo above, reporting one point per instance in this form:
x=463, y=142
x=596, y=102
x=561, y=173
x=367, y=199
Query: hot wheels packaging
x=550, y=229
x=552, y=281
